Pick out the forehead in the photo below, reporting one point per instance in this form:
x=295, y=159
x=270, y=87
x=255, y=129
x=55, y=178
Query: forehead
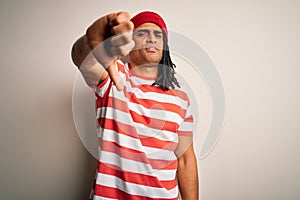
x=149, y=25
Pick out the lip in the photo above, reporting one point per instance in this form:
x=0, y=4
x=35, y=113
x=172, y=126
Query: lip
x=151, y=48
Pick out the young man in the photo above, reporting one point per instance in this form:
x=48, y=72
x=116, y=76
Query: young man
x=143, y=115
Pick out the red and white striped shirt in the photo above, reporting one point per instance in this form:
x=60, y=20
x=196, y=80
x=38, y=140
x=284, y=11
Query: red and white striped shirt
x=138, y=131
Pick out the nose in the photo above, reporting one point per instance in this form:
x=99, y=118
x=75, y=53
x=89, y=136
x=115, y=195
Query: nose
x=151, y=38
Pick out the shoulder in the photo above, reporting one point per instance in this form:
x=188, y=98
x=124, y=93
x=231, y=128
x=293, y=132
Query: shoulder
x=181, y=92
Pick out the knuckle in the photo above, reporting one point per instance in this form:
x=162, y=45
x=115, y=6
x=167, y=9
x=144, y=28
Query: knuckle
x=121, y=28
x=132, y=44
x=89, y=34
x=120, y=18
x=122, y=50
x=121, y=39
x=131, y=25
x=118, y=51
x=127, y=25
x=115, y=51
x=114, y=29
x=126, y=38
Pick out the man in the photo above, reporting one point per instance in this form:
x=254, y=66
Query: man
x=143, y=115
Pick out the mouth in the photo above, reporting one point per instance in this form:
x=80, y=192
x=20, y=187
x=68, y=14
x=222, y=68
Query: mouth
x=151, y=48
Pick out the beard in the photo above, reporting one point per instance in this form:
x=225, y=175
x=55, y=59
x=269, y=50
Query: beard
x=144, y=57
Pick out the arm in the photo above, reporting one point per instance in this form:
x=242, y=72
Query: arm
x=92, y=71
x=187, y=173
x=105, y=41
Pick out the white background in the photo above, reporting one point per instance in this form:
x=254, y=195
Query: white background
x=255, y=45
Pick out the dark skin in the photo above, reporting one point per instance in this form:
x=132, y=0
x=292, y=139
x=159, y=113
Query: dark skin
x=116, y=26
x=144, y=46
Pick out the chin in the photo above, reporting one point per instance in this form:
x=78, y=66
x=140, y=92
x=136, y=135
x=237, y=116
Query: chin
x=154, y=58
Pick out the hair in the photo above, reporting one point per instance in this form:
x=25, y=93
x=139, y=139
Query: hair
x=166, y=74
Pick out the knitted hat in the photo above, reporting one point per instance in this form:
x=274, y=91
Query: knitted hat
x=152, y=17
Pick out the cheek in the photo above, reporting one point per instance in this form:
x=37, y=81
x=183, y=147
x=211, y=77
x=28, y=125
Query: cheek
x=161, y=54
x=160, y=44
x=134, y=53
x=138, y=43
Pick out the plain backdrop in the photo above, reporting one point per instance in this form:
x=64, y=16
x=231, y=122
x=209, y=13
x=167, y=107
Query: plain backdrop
x=254, y=44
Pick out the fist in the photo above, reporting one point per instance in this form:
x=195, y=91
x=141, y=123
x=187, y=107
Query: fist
x=110, y=37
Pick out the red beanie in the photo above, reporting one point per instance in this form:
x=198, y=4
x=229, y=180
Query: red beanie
x=152, y=17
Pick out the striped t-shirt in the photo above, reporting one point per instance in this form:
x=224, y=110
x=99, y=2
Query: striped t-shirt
x=138, y=131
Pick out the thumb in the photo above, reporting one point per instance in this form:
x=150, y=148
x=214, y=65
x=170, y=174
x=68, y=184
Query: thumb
x=115, y=76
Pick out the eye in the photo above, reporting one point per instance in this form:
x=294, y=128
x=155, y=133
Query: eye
x=158, y=35
x=141, y=34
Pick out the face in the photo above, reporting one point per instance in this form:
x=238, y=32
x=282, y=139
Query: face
x=148, y=49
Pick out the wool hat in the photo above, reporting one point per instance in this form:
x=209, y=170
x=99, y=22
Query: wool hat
x=152, y=17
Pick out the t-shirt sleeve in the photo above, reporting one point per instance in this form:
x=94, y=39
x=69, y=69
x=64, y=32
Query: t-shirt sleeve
x=103, y=87
x=187, y=125
x=107, y=83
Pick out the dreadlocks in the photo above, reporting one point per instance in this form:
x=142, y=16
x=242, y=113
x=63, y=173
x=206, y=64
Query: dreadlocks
x=166, y=73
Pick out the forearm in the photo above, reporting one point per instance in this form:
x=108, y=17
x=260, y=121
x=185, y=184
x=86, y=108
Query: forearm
x=187, y=174
x=80, y=50
x=90, y=68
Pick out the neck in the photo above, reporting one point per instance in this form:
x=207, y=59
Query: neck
x=146, y=70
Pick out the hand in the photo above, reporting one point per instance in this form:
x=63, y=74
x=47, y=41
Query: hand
x=110, y=37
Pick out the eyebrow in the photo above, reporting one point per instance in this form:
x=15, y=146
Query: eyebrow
x=148, y=31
